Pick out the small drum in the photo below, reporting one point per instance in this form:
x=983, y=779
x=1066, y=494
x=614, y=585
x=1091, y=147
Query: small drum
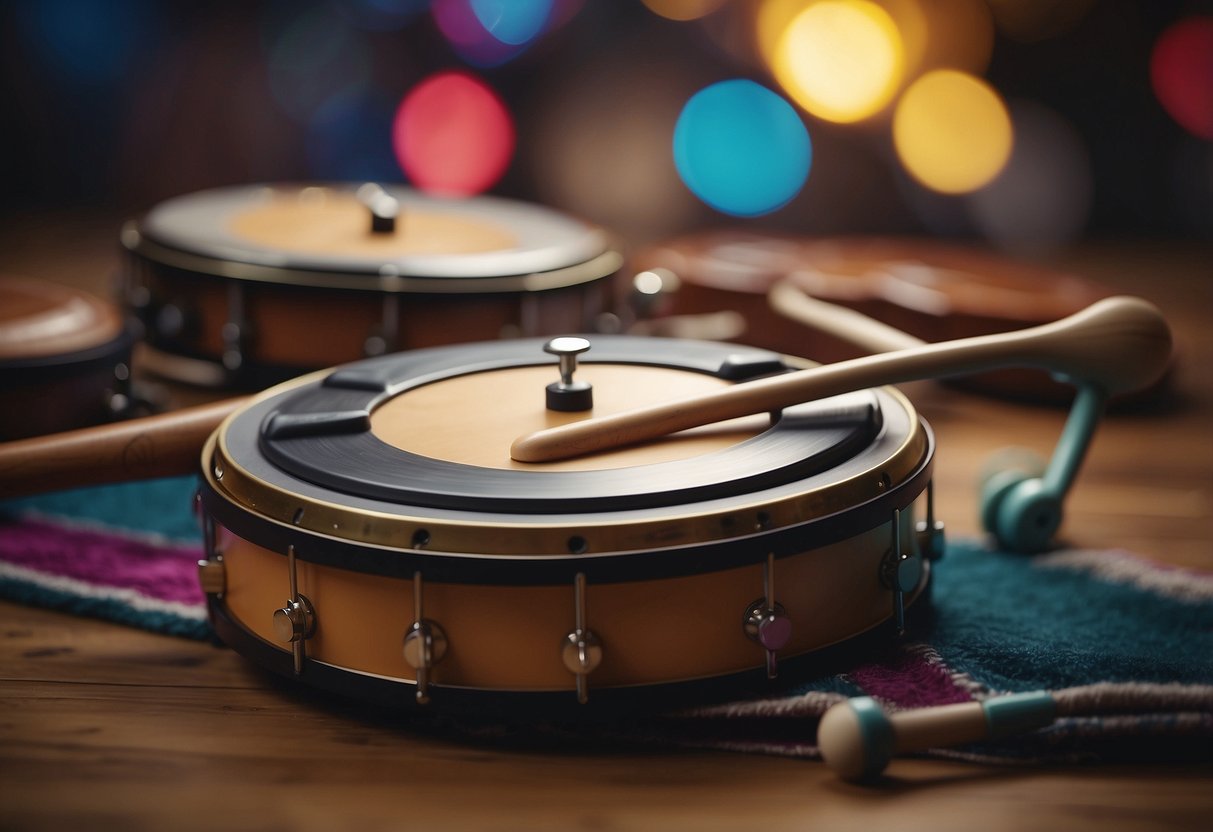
x=249, y=286
x=933, y=291
x=368, y=533
x=64, y=358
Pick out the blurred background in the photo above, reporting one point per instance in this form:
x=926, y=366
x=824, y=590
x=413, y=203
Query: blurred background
x=1024, y=124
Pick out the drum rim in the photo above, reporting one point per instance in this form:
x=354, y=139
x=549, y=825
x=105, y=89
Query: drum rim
x=482, y=269
x=598, y=267
x=548, y=536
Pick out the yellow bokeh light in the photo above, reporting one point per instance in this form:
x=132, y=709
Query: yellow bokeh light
x=952, y=131
x=840, y=60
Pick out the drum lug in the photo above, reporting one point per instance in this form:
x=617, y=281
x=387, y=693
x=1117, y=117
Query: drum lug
x=581, y=650
x=425, y=644
x=236, y=332
x=385, y=337
x=212, y=574
x=900, y=572
x=295, y=622
x=766, y=621
x=929, y=533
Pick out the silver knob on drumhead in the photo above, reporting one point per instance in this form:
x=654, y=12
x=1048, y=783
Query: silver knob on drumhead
x=567, y=395
x=384, y=207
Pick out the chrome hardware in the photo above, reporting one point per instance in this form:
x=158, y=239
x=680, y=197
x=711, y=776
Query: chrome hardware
x=567, y=395
x=900, y=572
x=236, y=331
x=295, y=622
x=581, y=650
x=766, y=621
x=385, y=337
x=212, y=576
x=929, y=533
x=424, y=644
x=384, y=207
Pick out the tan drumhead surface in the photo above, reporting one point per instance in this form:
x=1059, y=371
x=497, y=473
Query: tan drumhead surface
x=39, y=318
x=323, y=221
x=473, y=419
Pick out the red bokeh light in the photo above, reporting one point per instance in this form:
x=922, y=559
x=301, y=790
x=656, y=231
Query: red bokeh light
x=1181, y=73
x=453, y=135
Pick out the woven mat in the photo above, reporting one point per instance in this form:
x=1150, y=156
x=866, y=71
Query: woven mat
x=1125, y=645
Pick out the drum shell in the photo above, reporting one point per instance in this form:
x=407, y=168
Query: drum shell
x=63, y=392
x=287, y=329
x=679, y=635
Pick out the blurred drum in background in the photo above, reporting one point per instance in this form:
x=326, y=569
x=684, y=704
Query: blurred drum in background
x=64, y=358
x=246, y=286
x=927, y=290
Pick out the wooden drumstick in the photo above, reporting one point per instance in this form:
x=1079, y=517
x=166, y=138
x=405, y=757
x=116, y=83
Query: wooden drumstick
x=1118, y=344
x=857, y=738
x=164, y=445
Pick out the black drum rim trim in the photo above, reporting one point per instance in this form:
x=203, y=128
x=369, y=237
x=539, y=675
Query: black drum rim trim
x=560, y=569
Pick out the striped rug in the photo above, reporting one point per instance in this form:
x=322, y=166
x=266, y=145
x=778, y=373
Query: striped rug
x=1125, y=645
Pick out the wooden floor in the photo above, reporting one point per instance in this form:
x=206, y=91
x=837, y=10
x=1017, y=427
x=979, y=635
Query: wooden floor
x=104, y=727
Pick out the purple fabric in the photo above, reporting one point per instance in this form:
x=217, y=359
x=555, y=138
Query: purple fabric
x=154, y=570
x=910, y=679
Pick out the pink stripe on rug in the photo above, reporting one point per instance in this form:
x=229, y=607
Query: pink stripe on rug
x=168, y=573
x=911, y=678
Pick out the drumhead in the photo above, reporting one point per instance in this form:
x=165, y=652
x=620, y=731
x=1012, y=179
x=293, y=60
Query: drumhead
x=41, y=321
x=324, y=455
x=279, y=231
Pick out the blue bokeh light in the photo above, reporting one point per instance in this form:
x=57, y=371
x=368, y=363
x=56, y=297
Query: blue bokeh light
x=741, y=148
x=512, y=22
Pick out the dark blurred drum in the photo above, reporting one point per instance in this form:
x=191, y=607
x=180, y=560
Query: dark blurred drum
x=247, y=286
x=64, y=358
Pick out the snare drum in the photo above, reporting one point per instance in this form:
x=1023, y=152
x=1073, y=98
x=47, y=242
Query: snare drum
x=64, y=358
x=368, y=533
x=248, y=286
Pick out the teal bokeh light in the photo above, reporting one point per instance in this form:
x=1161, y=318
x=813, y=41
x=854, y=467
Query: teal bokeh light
x=741, y=148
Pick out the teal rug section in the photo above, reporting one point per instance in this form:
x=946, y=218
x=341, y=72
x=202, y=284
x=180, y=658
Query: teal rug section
x=155, y=508
x=1021, y=623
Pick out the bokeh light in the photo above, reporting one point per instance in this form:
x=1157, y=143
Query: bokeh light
x=453, y=135
x=683, y=9
x=741, y=148
x=1042, y=198
x=1181, y=73
x=513, y=22
x=952, y=131
x=840, y=60
x=463, y=30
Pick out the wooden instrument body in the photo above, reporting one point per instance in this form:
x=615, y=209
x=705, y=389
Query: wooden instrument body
x=275, y=282
x=63, y=355
x=932, y=291
x=672, y=552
